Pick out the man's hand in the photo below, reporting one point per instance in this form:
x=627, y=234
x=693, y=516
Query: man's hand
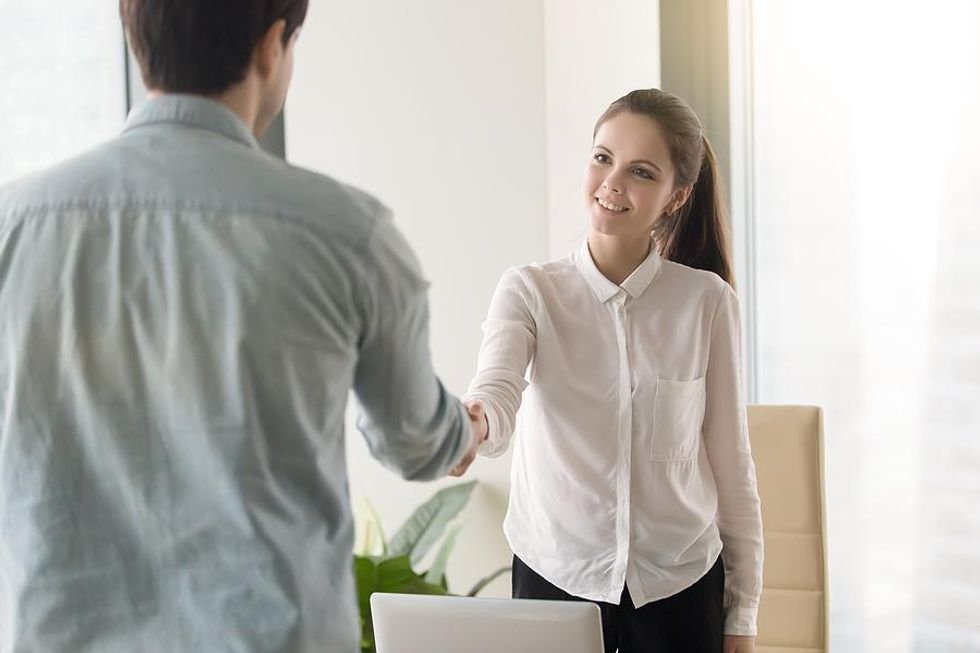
x=739, y=644
x=481, y=429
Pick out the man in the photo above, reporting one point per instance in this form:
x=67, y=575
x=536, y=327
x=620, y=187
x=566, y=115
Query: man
x=181, y=319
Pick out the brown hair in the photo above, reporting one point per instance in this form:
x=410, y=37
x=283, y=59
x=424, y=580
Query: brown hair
x=201, y=46
x=696, y=234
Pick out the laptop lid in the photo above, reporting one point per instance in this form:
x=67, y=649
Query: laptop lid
x=412, y=623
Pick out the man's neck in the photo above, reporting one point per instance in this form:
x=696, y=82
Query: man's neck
x=243, y=100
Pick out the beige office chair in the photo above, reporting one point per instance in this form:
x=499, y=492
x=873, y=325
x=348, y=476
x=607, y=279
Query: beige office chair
x=787, y=446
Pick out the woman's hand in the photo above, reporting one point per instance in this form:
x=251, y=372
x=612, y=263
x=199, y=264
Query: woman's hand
x=478, y=420
x=739, y=644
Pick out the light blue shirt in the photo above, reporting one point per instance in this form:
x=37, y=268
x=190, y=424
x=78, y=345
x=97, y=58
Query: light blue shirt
x=182, y=317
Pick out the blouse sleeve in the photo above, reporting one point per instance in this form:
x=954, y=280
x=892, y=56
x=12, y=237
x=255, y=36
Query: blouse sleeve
x=727, y=441
x=508, y=346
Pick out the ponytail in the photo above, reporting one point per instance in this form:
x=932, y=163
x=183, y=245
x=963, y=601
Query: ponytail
x=696, y=234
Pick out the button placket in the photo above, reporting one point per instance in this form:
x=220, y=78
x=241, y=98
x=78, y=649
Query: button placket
x=623, y=473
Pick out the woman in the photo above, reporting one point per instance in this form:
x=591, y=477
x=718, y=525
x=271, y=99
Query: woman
x=632, y=483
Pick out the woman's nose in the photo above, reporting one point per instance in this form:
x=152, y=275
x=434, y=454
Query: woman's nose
x=612, y=184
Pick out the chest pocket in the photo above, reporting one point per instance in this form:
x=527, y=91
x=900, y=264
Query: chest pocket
x=678, y=412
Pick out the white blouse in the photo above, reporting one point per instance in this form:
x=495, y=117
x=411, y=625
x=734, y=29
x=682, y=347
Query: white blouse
x=632, y=464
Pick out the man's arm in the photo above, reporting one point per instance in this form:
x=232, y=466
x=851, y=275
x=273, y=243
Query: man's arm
x=411, y=423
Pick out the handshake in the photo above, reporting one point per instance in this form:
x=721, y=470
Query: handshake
x=481, y=429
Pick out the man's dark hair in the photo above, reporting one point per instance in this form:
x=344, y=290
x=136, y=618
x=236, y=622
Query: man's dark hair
x=201, y=46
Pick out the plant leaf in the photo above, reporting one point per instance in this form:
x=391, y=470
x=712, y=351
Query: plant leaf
x=375, y=536
x=370, y=534
x=396, y=575
x=427, y=524
x=366, y=577
x=437, y=572
x=481, y=584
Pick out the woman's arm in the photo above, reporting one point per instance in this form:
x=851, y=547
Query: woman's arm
x=726, y=439
x=509, y=337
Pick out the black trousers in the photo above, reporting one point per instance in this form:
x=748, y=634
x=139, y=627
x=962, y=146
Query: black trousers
x=691, y=621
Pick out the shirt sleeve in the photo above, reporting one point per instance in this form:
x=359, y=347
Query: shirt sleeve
x=409, y=420
x=508, y=346
x=729, y=452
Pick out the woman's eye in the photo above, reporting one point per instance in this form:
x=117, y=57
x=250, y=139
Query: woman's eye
x=599, y=157
x=642, y=172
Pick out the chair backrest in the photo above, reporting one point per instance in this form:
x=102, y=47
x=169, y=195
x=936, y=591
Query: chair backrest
x=787, y=446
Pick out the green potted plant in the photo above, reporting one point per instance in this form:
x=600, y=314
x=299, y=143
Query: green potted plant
x=390, y=566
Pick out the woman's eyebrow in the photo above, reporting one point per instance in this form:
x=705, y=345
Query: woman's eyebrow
x=643, y=161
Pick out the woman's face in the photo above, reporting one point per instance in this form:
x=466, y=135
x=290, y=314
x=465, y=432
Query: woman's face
x=629, y=181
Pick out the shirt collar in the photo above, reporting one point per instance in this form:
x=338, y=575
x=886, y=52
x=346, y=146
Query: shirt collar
x=193, y=111
x=604, y=289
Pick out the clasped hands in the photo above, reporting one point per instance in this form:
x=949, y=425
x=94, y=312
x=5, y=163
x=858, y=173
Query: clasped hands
x=481, y=429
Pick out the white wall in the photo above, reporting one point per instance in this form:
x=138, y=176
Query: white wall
x=445, y=111
x=595, y=53
x=437, y=108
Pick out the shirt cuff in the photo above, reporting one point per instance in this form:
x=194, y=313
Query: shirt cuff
x=494, y=445
x=741, y=621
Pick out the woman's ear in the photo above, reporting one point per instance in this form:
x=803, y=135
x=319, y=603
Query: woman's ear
x=678, y=199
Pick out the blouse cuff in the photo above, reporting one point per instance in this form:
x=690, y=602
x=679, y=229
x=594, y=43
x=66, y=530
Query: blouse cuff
x=741, y=620
x=495, y=444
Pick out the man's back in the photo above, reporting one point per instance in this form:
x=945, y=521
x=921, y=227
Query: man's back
x=181, y=318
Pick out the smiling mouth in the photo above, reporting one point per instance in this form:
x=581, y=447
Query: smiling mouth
x=609, y=206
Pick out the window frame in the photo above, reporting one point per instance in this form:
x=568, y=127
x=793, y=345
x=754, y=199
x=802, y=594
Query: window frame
x=706, y=58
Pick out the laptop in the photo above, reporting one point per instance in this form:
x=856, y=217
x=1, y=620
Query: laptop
x=414, y=623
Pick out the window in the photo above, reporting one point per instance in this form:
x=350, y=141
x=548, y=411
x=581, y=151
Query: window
x=64, y=72
x=867, y=294
x=63, y=75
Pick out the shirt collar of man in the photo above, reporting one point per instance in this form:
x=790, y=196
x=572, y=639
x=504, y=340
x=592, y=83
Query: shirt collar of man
x=193, y=111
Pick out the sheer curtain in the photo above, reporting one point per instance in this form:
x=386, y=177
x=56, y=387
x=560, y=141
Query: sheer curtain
x=867, y=195
x=62, y=81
